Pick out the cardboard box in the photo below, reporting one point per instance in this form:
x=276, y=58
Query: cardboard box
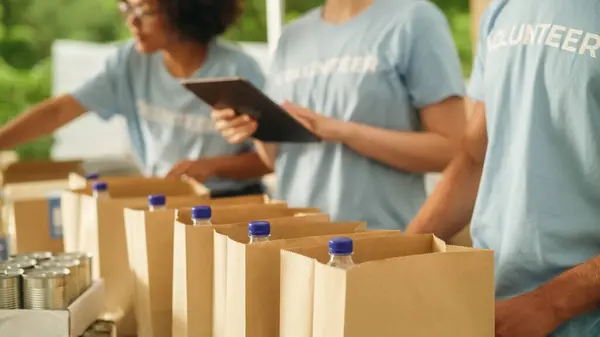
x=31, y=210
x=71, y=322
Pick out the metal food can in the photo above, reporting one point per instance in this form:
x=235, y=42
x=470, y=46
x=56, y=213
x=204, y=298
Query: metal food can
x=10, y=288
x=103, y=328
x=85, y=267
x=72, y=279
x=39, y=256
x=45, y=289
x=25, y=264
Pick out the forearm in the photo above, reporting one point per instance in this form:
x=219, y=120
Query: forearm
x=41, y=120
x=239, y=167
x=449, y=208
x=267, y=152
x=408, y=151
x=575, y=292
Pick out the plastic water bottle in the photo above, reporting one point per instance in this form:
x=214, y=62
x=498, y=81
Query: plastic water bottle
x=340, y=253
x=259, y=231
x=156, y=202
x=201, y=216
x=100, y=190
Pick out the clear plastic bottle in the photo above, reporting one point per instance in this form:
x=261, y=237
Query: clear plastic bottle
x=100, y=190
x=340, y=253
x=259, y=231
x=156, y=202
x=201, y=216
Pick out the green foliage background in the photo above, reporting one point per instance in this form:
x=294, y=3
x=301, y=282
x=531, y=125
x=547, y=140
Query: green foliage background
x=29, y=27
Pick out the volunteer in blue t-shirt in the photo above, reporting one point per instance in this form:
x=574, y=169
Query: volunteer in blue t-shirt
x=380, y=82
x=171, y=131
x=533, y=152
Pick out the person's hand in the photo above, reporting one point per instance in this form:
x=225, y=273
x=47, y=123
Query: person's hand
x=200, y=170
x=527, y=315
x=326, y=128
x=235, y=128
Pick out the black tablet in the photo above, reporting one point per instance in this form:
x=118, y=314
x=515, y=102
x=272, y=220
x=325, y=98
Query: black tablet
x=274, y=123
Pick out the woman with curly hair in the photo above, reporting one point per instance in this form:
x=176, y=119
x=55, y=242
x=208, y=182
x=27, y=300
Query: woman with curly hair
x=171, y=131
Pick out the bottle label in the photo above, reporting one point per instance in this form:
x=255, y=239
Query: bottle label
x=55, y=216
x=4, y=248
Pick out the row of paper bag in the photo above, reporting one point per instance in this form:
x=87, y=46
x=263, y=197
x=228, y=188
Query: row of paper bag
x=185, y=281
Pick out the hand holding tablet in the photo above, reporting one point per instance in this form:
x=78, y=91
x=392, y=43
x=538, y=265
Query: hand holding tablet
x=273, y=123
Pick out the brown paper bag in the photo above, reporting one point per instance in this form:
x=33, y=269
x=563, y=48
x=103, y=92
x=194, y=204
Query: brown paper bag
x=403, y=286
x=193, y=262
x=150, y=251
x=119, y=187
x=102, y=234
x=253, y=271
x=297, y=282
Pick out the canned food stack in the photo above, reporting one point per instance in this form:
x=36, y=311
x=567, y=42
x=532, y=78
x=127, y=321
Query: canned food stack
x=42, y=281
x=45, y=289
x=10, y=288
x=84, y=269
x=72, y=279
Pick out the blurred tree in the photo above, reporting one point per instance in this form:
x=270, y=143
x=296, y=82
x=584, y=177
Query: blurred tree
x=29, y=27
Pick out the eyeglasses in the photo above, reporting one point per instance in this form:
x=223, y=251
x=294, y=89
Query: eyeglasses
x=137, y=12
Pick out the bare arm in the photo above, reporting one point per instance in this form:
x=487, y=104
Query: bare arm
x=267, y=152
x=575, y=292
x=239, y=167
x=41, y=120
x=450, y=206
x=428, y=151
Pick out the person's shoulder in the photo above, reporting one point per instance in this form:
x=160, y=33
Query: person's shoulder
x=418, y=11
x=300, y=24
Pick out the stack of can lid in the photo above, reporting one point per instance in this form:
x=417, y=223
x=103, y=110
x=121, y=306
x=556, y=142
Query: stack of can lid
x=41, y=280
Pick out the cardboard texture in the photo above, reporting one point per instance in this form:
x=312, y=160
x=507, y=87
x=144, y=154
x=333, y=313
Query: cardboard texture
x=253, y=273
x=38, y=170
x=297, y=281
x=193, y=268
x=56, y=323
x=220, y=256
x=120, y=188
x=150, y=251
x=102, y=234
x=31, y=206
x=402, y=286
x=7, y=158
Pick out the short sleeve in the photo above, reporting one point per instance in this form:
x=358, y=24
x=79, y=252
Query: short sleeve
x=99, y=94
x=432, y=71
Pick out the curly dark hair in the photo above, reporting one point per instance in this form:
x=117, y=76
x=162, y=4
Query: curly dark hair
x=200, y=20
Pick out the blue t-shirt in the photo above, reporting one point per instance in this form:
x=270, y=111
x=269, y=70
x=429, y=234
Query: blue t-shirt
x=378, y=69
x=166, y=122
x=538, y=208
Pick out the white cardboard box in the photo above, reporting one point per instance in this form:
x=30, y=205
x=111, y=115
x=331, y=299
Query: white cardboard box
x=55, y=323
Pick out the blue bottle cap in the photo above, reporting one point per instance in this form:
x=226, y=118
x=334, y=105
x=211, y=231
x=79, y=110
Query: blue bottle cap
x=259, y=228
x=100, y=186
x=340, y=246
x=92, y=176
x=157, y=200
x=201, y=212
